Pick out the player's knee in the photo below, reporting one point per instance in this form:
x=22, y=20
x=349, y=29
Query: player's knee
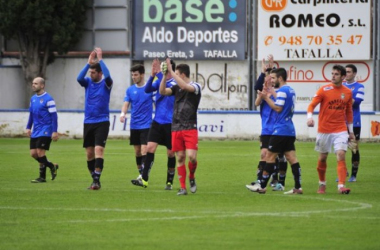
x=193, y=159
x=99, y=151
x=341, y=155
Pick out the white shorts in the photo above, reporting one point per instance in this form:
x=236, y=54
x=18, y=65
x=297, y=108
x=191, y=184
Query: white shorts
x=325, y=142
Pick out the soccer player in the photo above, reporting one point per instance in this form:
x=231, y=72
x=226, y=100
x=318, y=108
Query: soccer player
x=141, y=115
x=184, y=125
x=335, y=114
x=357, y=98
x=96, y=113
x=44, y=120
x=268, y=118
x=160, y=130
x=283, y=136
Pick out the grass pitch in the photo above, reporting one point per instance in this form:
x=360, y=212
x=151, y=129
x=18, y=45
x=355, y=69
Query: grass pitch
x=223, y=214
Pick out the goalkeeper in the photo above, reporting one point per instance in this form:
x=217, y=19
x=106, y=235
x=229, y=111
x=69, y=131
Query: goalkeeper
x=184, y=126
x=335, y=112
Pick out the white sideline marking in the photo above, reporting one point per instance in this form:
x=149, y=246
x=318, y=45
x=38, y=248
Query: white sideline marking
x=203, y=214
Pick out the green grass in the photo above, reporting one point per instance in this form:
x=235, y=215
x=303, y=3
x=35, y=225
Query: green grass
x=223, y=214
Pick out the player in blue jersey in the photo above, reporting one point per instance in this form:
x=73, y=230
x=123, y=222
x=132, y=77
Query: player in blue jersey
x=141, y=114
x=357, y=98
x=44, y=120
x=96, y=118
x=268, y=116
x=160, y=130
x=283, y=136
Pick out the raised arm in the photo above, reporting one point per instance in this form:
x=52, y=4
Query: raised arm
x=106, y=73
x=82, y=74
x=156, y=72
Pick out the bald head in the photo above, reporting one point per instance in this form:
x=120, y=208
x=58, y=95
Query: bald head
x=38, y=85
x=39, y=80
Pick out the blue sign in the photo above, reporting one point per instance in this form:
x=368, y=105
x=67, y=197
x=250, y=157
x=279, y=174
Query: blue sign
x=189, y=29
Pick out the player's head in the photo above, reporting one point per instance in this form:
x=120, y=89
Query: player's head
x=338, y=74
x=38, y=85
x=278, y=77
x=183, y=69
x=137, y=73
x=95, y=72
x=351, y=71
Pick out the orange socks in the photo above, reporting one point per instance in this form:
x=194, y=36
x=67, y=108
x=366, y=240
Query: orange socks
x=342, y=171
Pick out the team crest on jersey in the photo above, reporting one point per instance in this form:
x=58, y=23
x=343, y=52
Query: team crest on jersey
x=41, y=101
x=342, y=96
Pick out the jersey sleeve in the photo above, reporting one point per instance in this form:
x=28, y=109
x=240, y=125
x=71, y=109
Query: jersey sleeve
x=151, y=85
x=30, y=119
x=359, y=97
x=82, y=76
x=197, y=87
x=280, y=99
x=260, y=82
x=127, y=97
x=53, y=112
x=106, y=73
x=317, y=99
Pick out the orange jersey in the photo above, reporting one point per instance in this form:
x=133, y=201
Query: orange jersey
x=335, y=110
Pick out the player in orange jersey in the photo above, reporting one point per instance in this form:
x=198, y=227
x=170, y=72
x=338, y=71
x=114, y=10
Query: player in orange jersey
x=335, y=114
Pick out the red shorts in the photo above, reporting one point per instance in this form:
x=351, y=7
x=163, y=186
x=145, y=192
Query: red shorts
x=184, y=139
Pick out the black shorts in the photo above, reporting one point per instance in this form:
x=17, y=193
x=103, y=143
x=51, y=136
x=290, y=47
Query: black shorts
x=264, y=141
x=161, y=134
x=42, y=142
x=138, y=136
x=279, y=143
x=95, y=134
x=357, y=133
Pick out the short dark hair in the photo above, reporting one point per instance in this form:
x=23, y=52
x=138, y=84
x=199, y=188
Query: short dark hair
x=138, y=67
x=353, y=67
x=96, y=66
x=340, y=68
x=280, y=72
x=183, y=69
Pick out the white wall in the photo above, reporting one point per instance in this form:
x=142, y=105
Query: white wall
x=13, y=93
